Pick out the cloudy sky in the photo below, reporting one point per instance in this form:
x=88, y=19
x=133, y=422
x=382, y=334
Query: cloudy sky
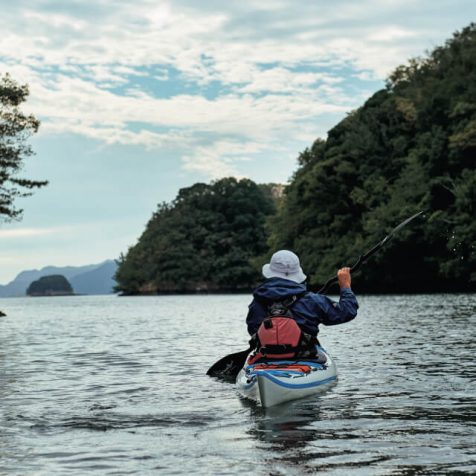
x=138, y=99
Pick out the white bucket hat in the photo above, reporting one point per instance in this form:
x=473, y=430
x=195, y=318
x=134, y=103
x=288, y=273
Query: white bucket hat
x=284, y=264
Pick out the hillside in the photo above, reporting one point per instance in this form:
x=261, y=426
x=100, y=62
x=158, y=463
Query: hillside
x=52, y=285
x=410, y=147
x=205, y=240
x=99, y=280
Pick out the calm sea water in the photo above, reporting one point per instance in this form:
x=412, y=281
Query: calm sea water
x=108, y=385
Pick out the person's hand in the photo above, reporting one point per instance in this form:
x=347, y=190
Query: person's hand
x=343, y=275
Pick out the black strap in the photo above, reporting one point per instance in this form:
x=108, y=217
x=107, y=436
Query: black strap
x=282, y=308
x=279, y=349
x=287, y=301
x=307, y=343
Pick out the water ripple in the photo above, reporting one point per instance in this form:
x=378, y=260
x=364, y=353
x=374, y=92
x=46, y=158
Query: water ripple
x=102, y=385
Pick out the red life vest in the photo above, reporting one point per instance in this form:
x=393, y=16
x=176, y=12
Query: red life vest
x=279, y=336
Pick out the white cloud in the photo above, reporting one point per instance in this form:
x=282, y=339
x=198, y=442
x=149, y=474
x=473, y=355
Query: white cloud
x=218, y=159
x=282, y=80
x=232, y=88
x=79, y=106
x=54, y=21
x=30, y=232
x=390, y=34
x=276, y=66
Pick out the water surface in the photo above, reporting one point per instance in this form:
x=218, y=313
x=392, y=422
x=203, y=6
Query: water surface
x=106, y=385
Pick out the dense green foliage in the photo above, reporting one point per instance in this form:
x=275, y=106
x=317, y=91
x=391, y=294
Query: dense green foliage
x=206, y=239
x=410, y=147
x=15, y=129
x=52, y=285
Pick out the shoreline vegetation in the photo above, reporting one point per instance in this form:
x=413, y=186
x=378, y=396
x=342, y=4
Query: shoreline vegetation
x=409, y=147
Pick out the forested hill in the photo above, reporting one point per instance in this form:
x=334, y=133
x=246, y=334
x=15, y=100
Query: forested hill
x=410, y=147
x=205, y=240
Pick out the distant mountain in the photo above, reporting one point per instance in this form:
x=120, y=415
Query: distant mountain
x=67, y=271
x=96, y=281
x=89, y=279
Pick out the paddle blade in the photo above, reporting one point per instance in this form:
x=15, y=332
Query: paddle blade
x=406, y=222
x=229, y=366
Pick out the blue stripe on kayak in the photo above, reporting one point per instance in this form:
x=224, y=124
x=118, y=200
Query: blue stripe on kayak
x=282, y=372
x=299, y=385
x=314, y=365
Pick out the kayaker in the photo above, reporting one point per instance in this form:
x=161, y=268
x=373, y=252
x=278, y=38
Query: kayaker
x=285, y=281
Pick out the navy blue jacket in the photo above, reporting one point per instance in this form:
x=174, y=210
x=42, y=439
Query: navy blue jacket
x=309, y=311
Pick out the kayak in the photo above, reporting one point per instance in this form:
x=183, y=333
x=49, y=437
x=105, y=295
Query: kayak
x=274, y=381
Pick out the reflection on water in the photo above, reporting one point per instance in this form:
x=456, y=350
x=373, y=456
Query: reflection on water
x=105, y=385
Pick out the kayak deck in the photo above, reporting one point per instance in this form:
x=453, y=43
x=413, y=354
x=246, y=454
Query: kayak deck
x=273, y=382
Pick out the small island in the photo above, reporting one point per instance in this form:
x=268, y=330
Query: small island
x=53, y=285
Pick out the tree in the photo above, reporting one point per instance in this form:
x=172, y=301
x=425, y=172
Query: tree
x=206, y=239
x=15, y=129
x=52, y=285
x=410, y=147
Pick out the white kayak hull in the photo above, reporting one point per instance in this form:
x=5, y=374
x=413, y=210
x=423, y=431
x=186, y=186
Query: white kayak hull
x=271, y=387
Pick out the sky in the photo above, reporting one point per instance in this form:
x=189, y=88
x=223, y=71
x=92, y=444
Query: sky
x=139, y=99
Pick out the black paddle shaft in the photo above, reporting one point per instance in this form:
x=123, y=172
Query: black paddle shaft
x=363, y=258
